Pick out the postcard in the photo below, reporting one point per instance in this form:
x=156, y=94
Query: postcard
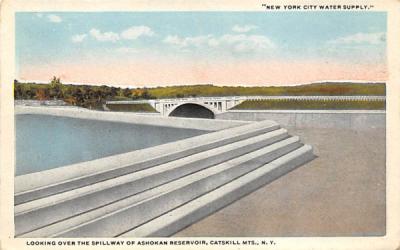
x=164, y=124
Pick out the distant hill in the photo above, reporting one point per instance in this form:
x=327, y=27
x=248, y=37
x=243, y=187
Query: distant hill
x=307, y=89
x=94, y=96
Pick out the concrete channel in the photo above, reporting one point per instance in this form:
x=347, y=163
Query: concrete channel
x=175, y=185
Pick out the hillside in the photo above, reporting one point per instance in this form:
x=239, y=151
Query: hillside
x=308, y=89
x=94, y=96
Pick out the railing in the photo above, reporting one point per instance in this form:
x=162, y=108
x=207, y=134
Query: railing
x=40, y=102
x=237, y=98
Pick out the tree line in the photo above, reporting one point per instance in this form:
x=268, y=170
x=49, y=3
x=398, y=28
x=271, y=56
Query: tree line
x=93, y=97
x=87, y=96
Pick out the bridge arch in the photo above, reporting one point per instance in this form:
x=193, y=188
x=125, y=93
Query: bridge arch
x=192, y=110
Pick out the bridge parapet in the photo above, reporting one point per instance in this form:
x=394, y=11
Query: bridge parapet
x=221, y=104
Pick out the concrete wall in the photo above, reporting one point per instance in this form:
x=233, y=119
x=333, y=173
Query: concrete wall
x=127, y=117
x=347, y=119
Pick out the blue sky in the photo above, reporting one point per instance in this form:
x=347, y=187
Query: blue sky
x=58, y=39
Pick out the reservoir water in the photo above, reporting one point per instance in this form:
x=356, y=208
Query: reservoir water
x=45, y=142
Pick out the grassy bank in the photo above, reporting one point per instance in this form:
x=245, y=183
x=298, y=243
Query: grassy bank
x=310, y=104
x=139, y=107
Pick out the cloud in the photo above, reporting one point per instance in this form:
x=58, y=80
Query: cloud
x=197, y=41
x=78, y=38
x=135, y=32
x=243, y=28
x=131, y=33
x=105, y=36
x=173, y=39
x=127, y=50
x=244, y=43
x=54, y=18
x=240, y=43
x=361, y=38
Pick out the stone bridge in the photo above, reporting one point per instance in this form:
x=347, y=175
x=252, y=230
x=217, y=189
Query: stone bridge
x=210, y=106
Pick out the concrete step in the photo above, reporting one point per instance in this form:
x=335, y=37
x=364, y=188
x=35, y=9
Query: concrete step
x=193, y=211
x=38, y=185
x=121, y=216
x=67, y=204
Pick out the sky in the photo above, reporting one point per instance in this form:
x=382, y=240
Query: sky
x=221, y=48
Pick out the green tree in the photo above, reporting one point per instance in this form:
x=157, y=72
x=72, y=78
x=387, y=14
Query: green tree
x=56, y=88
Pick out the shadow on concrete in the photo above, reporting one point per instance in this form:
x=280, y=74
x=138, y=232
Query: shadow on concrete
x=192, y=111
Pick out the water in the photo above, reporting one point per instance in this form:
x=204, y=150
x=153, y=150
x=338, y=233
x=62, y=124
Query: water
x=45, y=142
